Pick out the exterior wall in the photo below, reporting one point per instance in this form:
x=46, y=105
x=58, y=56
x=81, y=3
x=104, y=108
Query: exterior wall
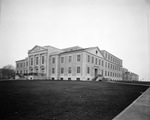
x=40, y=67
x=1, y=76
x=113, y=66
x=65, y=64
x=129, y=76
x=92, y=62
x=124, y=70
x=22, y=66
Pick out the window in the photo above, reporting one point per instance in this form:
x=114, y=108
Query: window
x=92, y=59
x=106, y=55
x=99, y=61
x=102, y=63
x=53, y=60
x=20, y=64
x=78, y=58
x=105, y=64
x=78, y=69
x=17, y=64
x=24, y=64
x=27, y=63
x=105, y=73
x=88, y=58
x=88, y=70
x=96, y=51
x=102, y=72
x=96, y=61
x=108, y=65
x=62, y=59
x=42, y=70
x=53, y=70
x=111, y=66
x=108, y=73
x=42, y=59
x=69, y=70
x=70, y=58
x=62, y=70
x=36, y=60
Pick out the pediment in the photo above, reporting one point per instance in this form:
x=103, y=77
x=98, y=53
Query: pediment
x=36, y=49
x=95, y=51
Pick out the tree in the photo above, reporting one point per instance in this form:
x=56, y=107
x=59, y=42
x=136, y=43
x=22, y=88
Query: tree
x=8, y=72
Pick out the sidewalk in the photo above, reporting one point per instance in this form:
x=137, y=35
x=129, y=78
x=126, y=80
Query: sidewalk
x=138, y=110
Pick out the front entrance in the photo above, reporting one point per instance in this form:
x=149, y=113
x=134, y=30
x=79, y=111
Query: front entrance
x=96, y=72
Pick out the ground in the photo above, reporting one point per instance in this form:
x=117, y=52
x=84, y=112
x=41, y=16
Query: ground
x=64, y=100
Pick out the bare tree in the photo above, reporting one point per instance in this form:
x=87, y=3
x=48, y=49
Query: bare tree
x=8, y=72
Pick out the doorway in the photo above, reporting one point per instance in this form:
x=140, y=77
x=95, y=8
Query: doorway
x=96, y=72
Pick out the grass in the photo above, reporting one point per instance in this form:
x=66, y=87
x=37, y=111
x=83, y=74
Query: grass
x=135, y=82
x=64, y=100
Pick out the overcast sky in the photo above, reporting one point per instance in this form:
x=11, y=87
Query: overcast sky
x=120, y=27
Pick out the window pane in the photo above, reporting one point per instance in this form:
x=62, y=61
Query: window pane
x=88, y=58
x=70, y=58
x=92, y=59
x=42, y=59
x=78, y=57
x=88, y=70
x=36, y=60
x=78, y=69
x=53, y=70
x=62, y=70
x=69, y=70
x=62, y=59
x=53, y=60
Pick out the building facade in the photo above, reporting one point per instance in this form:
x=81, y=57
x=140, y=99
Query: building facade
x=113, y=66
x=129, y=76
x=74, y=63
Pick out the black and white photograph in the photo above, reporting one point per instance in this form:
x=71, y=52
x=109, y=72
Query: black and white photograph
x=74, y=59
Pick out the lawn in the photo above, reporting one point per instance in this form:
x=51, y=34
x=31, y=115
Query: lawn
x=135, y=82
x=64, y=100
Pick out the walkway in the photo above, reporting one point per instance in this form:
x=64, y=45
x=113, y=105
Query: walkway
x=138, y=110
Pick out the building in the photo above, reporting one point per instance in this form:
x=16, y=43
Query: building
x=129, y=76
x=1, y=75
x=113, y=66
x=74, y=63
x=124, y=70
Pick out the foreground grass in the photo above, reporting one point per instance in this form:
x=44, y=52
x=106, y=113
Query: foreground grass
x=64, y=100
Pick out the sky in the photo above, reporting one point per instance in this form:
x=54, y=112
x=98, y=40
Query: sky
x=121, y=27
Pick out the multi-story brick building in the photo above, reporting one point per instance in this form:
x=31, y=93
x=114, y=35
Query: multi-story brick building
x=74, y=63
